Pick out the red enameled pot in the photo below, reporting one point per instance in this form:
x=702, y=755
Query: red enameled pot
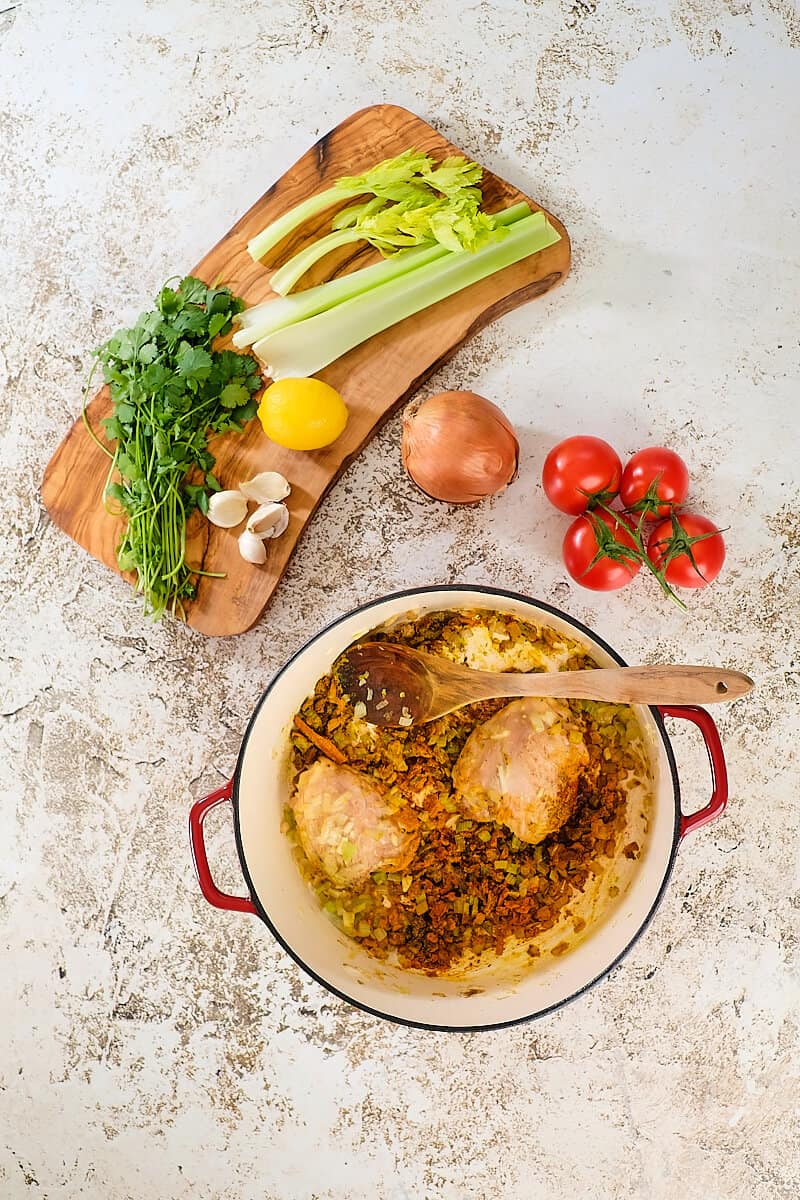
x=508, y=991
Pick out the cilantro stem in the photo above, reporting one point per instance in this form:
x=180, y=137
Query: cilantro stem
x=85, y=415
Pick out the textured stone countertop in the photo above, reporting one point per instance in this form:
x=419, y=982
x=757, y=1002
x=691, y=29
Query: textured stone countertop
x=156, y=1049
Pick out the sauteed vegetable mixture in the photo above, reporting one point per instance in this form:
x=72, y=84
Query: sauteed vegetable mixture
x=398, y=838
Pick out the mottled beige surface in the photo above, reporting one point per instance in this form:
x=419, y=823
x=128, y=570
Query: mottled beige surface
x=153, y=1048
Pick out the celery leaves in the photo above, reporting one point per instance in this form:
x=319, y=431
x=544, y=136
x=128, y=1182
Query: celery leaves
x=407, y=182
x=414, y=203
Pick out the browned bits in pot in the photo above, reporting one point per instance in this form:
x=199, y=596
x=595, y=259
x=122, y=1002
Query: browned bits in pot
x=472, y=886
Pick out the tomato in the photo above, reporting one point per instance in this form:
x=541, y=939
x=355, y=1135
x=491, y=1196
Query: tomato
x=660, y=469
x=579, y=465
x=669, y=548
x=613, y=569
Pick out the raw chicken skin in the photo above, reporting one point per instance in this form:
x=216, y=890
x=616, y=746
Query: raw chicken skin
x=346, y=825
x=517, y=769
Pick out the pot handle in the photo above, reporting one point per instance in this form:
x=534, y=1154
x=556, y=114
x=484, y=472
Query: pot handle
x=716, y=758
x=198, y=813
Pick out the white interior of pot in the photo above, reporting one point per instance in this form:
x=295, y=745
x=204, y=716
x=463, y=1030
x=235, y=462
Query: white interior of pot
x=509, y=989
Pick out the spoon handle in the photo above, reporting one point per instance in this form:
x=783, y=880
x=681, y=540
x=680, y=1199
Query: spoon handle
x=631, y=685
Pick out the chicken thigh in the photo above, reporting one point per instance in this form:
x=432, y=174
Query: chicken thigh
x=522, y=768
x=346, y=825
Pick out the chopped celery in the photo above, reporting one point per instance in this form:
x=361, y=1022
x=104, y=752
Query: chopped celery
x=262, y=319
x=299, y=350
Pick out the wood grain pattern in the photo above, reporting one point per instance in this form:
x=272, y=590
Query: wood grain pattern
x=374, y=379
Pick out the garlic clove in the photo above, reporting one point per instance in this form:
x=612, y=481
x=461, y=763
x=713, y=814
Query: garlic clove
x=227, y=509
x=266, y=486
x=252, y=548
x=268, y=521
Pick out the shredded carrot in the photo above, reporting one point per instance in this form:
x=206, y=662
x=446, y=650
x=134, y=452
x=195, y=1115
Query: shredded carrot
x=322, y=743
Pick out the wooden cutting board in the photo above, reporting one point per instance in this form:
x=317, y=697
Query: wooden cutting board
x=374, y=379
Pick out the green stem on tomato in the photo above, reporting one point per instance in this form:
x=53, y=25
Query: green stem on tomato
x=640, y=551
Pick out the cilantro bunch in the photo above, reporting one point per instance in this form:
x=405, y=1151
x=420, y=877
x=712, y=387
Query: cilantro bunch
x=170, y=393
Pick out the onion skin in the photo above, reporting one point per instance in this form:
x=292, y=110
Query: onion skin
x=459, y=447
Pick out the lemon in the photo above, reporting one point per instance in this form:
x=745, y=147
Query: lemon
x=302, y=414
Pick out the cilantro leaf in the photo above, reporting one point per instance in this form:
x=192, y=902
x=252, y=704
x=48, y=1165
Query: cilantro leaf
x=228, y=366
x=112, y=428
x=148, y=323
x=155, y=378
x=127, y=467
x=121, y=346
x=125, y=413
x=233, y=395
x=218, y=321
x=168, y=302
x=193, y=362
x=191, y=319
x=192, y=290
x=220, y=300
x=245, y=413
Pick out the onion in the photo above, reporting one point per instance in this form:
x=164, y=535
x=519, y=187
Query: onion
x=459, y=447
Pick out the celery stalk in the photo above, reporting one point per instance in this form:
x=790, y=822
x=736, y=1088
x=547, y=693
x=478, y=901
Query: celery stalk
x=265, y=241
x=285, y=279
x=262, y=319
x=299, y=350
x=455, y=221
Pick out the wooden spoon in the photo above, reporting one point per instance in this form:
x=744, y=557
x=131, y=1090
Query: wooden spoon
x=401, y=686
